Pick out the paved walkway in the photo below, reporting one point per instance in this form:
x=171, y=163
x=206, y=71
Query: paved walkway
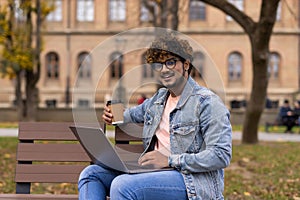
x=262, y=136
x=278, y=137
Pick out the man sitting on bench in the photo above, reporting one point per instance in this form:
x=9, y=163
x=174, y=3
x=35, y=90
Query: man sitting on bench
x=186, y=127
x=287, y=117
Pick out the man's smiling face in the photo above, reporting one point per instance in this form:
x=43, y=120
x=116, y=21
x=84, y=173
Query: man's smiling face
x=172, y=73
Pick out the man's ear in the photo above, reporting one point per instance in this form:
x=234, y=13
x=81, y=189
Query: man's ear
x=186, y=65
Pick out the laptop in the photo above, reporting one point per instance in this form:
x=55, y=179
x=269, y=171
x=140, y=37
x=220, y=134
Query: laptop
x=101, y=152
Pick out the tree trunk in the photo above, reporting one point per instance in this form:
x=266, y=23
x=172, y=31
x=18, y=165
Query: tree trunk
x=31, y=97
x=172, y=17
x=259, y=39
x=32, y=75
x=19, y=103
x=256, y=103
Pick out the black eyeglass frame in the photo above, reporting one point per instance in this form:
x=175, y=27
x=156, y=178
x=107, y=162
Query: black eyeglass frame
x=157, y=66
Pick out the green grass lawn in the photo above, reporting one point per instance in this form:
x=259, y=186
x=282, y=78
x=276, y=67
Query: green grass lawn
x=262, y=171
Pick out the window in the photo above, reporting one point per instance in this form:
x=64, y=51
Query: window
x=52, y=64
x=237, y=3
x=273, y=66
x=117, y=10
x=56, y=14
x=85, y=10
x=197, y=10
x=84, y=61
x=147, y=71
x=116, y=66
x=235, y=66
x=278, y=14
x=198, y=63
x=19, y=13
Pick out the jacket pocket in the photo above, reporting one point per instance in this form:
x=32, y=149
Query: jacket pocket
x=184, y=130
x=185, y=138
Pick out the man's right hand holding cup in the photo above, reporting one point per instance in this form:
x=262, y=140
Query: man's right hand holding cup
x=107, y=115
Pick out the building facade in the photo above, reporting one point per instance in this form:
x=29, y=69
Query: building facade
x=85, y=60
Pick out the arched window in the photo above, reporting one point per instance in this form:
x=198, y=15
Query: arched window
x=235, y=66
x=273, y=66
x=198, y=63
x=52, y=65
x=147, y=71
x=84, y=61
x=116, y=66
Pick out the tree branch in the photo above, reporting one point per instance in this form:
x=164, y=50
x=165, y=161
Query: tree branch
x=150, y=6
x=267, y=19
x=241, y=18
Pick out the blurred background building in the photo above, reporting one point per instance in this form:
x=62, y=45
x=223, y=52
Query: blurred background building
x=75, y=28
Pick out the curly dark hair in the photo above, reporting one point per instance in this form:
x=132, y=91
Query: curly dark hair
x=169, y=44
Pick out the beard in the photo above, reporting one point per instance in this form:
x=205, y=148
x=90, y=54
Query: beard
x=172, y=80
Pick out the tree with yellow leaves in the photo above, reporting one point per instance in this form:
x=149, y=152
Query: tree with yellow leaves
x=21, y=47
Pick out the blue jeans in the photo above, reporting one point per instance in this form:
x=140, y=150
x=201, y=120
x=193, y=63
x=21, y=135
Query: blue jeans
x=96, y=182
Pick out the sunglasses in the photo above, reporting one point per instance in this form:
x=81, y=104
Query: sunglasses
x=170, y=64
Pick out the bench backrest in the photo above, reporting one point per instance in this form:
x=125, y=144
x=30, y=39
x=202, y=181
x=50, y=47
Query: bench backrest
x=48, y=152
x=129, y=137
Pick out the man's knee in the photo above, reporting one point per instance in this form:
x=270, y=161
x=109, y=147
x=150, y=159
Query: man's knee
x=121, y=186
x=88, y=171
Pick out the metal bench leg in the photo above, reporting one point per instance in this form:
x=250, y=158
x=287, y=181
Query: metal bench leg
x=23, y=188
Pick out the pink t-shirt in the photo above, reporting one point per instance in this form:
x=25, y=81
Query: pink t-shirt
x=162, y=132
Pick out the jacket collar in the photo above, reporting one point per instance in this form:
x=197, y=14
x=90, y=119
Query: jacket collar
x=187, y=92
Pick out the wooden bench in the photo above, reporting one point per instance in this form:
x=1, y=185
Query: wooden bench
x=269, y=125
x=48, y=152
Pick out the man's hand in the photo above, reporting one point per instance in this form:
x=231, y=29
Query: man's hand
x=107, y=115
x=154, y=158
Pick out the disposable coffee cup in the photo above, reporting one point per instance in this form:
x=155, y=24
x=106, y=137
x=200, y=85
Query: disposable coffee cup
x=117, y=110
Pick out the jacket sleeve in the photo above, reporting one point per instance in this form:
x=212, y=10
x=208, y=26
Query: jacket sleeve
x=136, y=113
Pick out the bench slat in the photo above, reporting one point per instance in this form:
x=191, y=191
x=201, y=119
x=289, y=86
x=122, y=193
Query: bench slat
x=40, y=173
x=48, y=169
x=49, y=147
x=135, y=148
x=51, y=152
x=53, y=126
x=41, y=168
x=42, y=126
x=47, y=178
x=46, y=135
x=49, y=130
x=125, y=137
x=128, y=132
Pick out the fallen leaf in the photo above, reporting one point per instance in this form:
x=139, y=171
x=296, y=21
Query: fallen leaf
x=246, y=160
x=247, y=194
x=7, y=155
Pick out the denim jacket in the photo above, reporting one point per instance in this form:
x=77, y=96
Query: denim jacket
x=200, y=137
